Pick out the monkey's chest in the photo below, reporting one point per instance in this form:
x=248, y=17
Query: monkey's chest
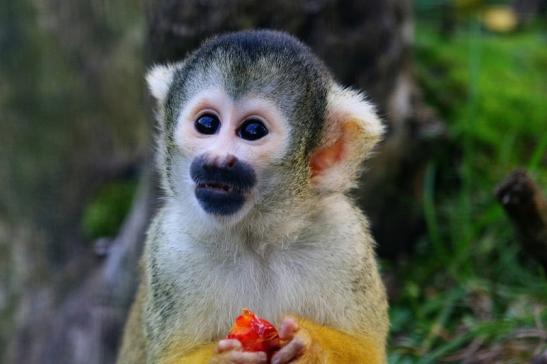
x=208, y=300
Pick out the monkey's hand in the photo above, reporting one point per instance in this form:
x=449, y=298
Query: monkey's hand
x=230, y=351
x=298, y=341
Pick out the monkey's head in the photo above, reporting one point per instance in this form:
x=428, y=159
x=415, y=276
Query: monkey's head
x=252, y=123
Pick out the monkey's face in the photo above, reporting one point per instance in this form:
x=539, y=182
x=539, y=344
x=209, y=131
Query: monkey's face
x=230, y=145
x=252, y=124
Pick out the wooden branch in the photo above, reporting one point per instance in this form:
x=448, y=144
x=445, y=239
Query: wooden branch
x=540, y=358
x=527, y=208
x=87, y=327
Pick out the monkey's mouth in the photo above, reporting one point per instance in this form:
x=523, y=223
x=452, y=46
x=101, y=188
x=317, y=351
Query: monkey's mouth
x=219, y=198
x=215, y=186
x=222, y=189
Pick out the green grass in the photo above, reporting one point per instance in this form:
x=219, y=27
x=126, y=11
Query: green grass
x=469, y=290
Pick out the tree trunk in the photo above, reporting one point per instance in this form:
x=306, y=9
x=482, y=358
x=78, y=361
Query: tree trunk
x=527, y=208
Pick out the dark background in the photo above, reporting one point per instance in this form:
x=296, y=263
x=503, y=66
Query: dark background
x=461, y=84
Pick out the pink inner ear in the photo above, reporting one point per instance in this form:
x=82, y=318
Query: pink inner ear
x=327, y=157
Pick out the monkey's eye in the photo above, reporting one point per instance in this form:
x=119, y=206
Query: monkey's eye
x=207, y=124
x=252, y=129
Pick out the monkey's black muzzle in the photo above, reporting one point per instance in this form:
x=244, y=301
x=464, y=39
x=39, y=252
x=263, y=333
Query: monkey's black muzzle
x=221, y=187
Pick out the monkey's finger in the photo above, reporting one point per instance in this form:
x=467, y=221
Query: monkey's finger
x=246, y=357
x=227, y=345
x=288, y=328
x=289, y=352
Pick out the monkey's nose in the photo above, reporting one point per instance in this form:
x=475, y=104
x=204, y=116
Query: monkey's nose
x=228, y=161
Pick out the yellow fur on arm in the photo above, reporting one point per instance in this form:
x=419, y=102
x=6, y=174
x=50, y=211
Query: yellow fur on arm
x=330, y=346
x=200, y=355
x=133, y=349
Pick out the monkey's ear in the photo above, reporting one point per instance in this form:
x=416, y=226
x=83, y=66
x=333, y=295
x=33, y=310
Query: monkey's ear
x=352, y=129
x=159, y=79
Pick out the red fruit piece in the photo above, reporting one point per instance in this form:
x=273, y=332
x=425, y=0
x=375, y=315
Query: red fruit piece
x=255, y=333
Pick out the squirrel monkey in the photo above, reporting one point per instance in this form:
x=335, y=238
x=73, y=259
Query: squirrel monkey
x=257, y=148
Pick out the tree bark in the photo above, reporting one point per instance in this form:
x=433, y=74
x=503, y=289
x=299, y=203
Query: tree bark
x=527, y=208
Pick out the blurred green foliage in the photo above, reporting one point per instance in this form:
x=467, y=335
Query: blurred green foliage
x=469, y=291
x=492, y=90
x=106, y=211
